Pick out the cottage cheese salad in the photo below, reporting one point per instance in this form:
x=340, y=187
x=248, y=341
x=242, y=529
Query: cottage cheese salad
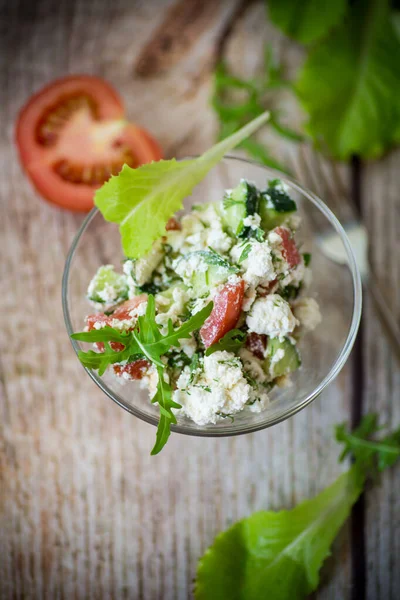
x=209, y=316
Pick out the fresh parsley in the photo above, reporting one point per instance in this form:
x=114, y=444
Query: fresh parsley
x=142, y=200
x=145, y=341
x=282, y=552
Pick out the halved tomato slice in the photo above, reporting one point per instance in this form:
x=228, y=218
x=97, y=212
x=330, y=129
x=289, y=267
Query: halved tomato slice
x=225, y=313
x=72, y=136
x=289, y=248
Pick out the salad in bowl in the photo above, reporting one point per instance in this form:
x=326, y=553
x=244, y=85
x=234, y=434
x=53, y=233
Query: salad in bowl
x=207, y=309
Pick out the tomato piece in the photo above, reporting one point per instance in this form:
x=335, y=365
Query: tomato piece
x=264, y=290
x=121, y=313
x=225, y=313
x=134, y=370
x=173, y=225
x=289, y=249
x=72, y=136
x=257, y=344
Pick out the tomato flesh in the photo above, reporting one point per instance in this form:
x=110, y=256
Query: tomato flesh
x=134, y=370
x=173, y=225
x=289, y=249
x=121, y=313
x=72, y=137
x=225, y=313
x=257, y=344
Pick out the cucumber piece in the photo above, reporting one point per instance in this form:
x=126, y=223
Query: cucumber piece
x=234, y=209
x=243, y=201
x=168, y=296
x=108, y=287
x=216, y=270
x=275, y=206
x=289, y=362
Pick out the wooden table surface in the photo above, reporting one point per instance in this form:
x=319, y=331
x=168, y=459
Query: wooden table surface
x=85, y=512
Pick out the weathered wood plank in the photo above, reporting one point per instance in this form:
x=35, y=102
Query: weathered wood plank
x=381, y=207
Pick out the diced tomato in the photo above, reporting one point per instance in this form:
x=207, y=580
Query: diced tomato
x=225, y=313
x=263, y=290
x=173, y=225
x=289, y=248
x=121, y=313
x=257, y=344
x=72, y=136
x=134, y=370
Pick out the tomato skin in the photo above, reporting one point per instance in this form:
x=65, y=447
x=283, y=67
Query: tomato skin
x=289, y=249
x=173, y=225
x=256, y=343
x=225, y=313
x=121, y=313
x=123, y=310
x=83, y=149
x=135, y=370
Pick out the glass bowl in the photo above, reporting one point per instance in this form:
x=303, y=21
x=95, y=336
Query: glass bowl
x=336, y=287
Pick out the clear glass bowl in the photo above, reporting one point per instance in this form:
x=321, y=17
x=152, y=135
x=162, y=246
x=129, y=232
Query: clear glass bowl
x=337, y=288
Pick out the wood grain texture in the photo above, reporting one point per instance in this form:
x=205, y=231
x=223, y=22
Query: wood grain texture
x=381, y=205
x=85, y=512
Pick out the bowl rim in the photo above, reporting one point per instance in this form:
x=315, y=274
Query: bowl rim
x=286, y=414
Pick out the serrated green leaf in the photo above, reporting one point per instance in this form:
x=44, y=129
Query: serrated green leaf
x=142, y=200
x=350, y=84
x=308, y=20
x=278, y=552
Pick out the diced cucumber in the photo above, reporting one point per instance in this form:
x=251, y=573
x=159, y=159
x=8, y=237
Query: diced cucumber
x=205, y=270
x=289, y=362
x=167, y=296
x=275, y=206
x=108, y=287
x=242, y=202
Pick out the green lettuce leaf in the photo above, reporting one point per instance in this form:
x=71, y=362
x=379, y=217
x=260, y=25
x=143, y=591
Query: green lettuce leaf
x=142, y=200
x=277, y=554
x=350, y=84
x=306, y=20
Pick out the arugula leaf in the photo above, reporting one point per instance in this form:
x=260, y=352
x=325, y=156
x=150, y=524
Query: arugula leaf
x=142, y=200
x=350, y=84
x=232, y=341
x=145, y=340
x=163, y=398
x=232, y=114
x=366, y=451
x=306, y=21
x=282, y=552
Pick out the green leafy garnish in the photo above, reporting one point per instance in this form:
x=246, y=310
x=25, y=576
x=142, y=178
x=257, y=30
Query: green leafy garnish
x=233, y=113
x=142, y=200
x=245, y=252
x=306, y=21
x=231, y=342
x=281, y=553
x=144, y=341
x=280, y=200
x=350, y=84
